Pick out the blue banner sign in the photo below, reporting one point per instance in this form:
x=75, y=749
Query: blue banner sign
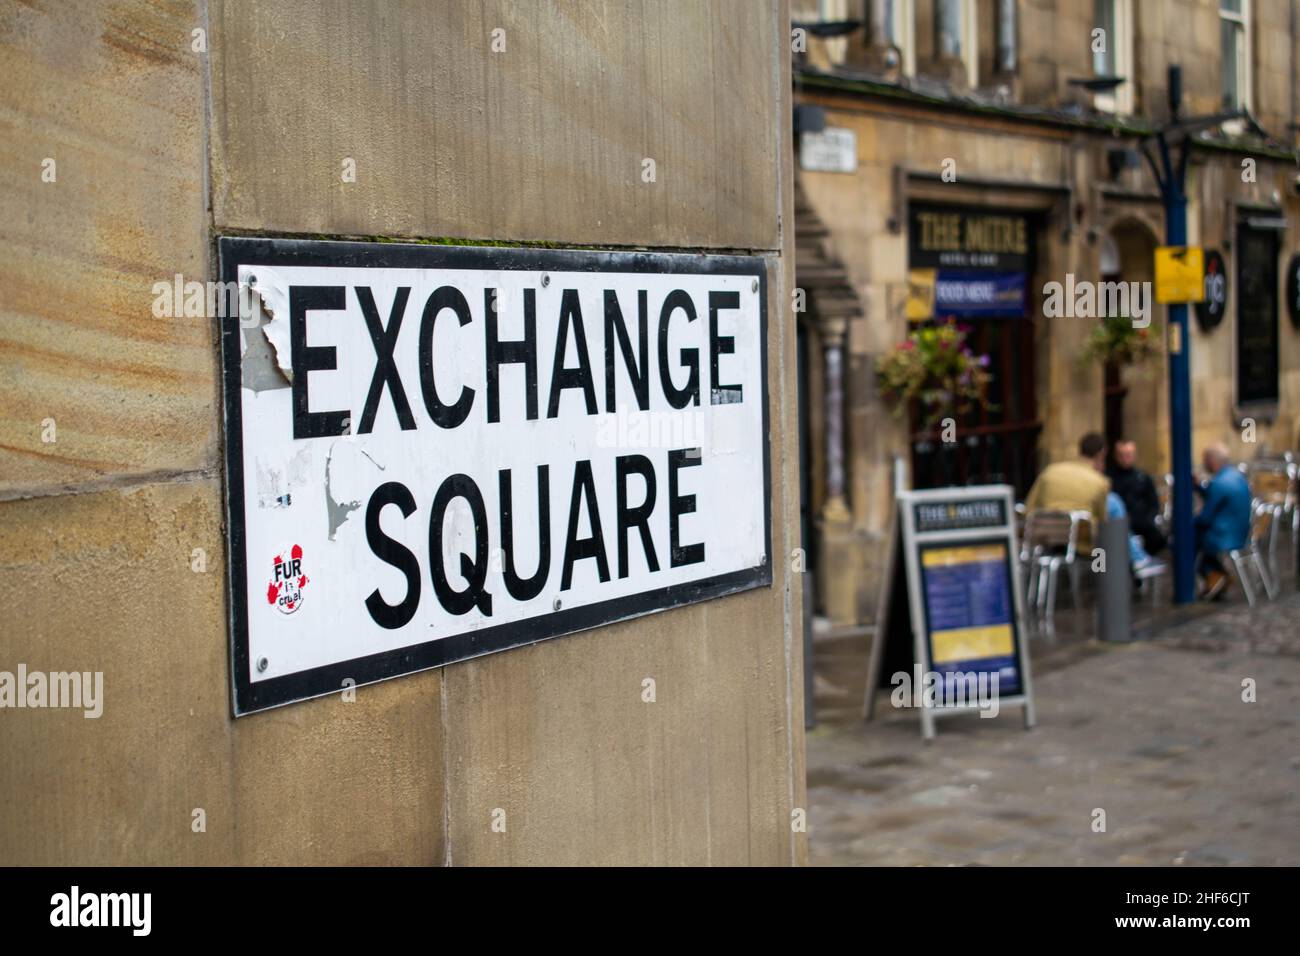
x=970, y=294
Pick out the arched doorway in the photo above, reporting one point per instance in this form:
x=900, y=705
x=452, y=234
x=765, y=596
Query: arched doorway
x=1134, y=397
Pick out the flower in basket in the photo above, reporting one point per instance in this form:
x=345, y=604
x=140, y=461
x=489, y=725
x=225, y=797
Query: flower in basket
x=1115, y=339
x=934, y=367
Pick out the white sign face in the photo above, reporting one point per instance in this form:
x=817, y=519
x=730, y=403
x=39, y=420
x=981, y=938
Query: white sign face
x=435, y=453
x=830, y=151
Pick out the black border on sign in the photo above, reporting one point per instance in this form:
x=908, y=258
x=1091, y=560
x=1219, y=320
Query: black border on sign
x=249, y=696
x=939, y=545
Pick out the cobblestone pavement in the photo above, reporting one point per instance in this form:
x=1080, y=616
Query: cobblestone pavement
x=1155, y=733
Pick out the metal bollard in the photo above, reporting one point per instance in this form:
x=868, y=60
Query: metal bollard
x=1115, y=586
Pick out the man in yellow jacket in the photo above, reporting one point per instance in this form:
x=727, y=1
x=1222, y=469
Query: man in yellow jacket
x=1079, y=485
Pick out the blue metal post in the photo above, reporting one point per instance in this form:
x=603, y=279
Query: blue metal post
x=1180, y=403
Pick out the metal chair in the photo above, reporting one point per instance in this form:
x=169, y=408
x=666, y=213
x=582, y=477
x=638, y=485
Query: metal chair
x=1273, y=482
x=1019, y=519
x=1150, y=576
x=1263, y=523
x=1291, y=499
x=1051, y=542
x=1270, y=479
x=1292, y=492
x=1165, y=519
x=1276, y=520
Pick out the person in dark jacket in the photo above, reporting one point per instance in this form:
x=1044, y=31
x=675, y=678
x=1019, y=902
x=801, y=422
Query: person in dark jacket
x=1138, y=492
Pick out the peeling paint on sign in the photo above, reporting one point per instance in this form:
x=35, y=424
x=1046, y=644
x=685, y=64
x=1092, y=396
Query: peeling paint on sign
x=264, y=336
x=336, y=511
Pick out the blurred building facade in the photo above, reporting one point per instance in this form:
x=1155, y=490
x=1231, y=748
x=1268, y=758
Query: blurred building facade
x=996, y=144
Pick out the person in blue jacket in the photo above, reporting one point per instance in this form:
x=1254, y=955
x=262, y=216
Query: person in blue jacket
x=1223, y=522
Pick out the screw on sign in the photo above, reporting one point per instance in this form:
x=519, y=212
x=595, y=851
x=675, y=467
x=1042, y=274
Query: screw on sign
x=284, y=592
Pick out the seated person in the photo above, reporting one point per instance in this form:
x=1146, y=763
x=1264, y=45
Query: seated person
x=1223, y=522
x=1138, y=492
x=1077, y=485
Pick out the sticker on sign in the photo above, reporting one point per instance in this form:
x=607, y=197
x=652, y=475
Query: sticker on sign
x=435, y=453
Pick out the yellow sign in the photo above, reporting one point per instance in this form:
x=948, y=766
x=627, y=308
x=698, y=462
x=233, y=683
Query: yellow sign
x=1180, y=274
x=946, y=557
x=920, y=294
x=972, y=643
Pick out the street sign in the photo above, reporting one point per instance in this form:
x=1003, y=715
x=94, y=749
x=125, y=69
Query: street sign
x=831, y=150
x=1180, y=274
x=951, y=621
x=434, y=453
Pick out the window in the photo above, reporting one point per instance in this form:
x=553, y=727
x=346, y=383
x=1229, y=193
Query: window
x=1103, y=46
x=900, y=23
x=829, y=11
x=970, y=29
x=1256, y=253
x=1112, y=53
x=957, y=35
x=1234, y=30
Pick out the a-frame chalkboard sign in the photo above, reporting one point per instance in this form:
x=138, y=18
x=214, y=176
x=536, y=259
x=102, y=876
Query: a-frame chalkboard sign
x=950, y=635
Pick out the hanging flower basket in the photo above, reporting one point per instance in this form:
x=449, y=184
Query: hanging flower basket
x=1115, y=340
x=934, y=367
